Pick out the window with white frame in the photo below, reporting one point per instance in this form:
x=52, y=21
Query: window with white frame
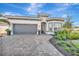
x=50, y=26
x=57, y=25
x=54, y=26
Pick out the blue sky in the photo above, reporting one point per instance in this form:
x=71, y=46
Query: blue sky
x=54, y=9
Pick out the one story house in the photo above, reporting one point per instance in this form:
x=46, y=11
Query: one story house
x=34, y=24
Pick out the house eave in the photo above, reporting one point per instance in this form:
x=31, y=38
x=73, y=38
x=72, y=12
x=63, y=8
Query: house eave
x=22, y=17
x=55, y=19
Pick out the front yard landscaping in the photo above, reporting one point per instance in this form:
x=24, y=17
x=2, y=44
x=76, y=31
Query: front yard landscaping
x=67, y=42
x=76, y=43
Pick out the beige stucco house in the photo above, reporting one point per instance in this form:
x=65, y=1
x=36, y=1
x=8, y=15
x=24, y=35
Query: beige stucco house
x=34, y=24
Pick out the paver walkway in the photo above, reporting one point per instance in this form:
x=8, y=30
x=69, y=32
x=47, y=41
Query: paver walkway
x=28, y=45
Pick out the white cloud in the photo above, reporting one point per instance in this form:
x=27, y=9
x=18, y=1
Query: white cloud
x=39, y=11
x=66, y=4
x=70, y=4
x=15, y=6
x=76, y=23
x=10, y=13
x=6, y=13
x=34, y=8
x=60, y=9
x=63, y=7
x=64, y=16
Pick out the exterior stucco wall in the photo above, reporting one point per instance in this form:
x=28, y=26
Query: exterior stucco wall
x=43, y=19
x=38, y=22
x=24, y=22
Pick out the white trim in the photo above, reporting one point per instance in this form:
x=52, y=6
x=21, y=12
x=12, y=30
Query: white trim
x=11, y=27
x=26, y=24
x=23, y=21
x=46, y=26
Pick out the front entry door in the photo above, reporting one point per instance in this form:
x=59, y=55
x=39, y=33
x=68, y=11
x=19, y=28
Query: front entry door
x=43, y=27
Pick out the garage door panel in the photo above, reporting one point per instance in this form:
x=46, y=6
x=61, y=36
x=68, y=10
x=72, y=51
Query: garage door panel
x=25, y=28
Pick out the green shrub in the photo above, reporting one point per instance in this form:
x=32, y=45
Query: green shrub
x=61, y=35
x=73, y=35
x=61, y=43
x=8, y=31
x=67, y=45
x=67, y=49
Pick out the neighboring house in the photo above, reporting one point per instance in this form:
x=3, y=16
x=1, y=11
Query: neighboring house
x=34, y=25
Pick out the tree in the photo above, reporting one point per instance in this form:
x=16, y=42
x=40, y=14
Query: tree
x=5, y=21
x=67, y=26
x=68, y=23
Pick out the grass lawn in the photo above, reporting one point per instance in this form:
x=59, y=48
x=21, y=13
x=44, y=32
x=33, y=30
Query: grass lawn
x=76, y=43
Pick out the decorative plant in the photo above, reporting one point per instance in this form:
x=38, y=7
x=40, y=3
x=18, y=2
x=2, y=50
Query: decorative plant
x=8, y=31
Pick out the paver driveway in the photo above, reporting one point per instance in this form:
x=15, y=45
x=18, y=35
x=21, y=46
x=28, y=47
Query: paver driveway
x=28, y=45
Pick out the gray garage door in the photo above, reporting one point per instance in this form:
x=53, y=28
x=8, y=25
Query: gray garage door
x=24, y=28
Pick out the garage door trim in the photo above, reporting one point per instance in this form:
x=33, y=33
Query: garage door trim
x=27, y=26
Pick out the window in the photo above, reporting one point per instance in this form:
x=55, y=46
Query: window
x=57, y=25
x=52, y=26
